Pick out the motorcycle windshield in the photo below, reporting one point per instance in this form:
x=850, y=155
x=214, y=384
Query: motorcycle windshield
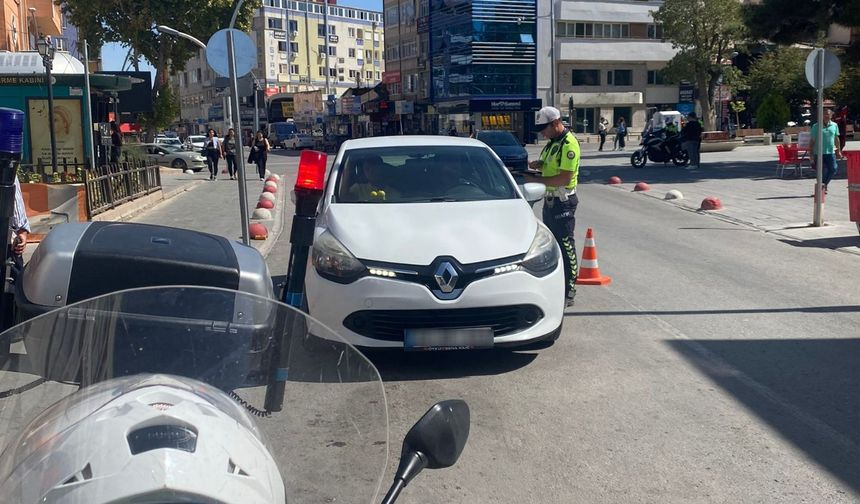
x=224, y=377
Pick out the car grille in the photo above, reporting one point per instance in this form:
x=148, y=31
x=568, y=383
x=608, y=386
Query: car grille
x=389, y=325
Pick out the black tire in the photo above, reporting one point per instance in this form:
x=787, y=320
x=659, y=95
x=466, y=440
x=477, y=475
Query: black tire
x=179, y=163
x=638, y=160
x=682, y=158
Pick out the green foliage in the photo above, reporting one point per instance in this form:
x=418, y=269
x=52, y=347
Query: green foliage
x=773, y=113
x=164, y=110
x=781, y=72
x=706, y=33
x=738, y=106
x=789, y=21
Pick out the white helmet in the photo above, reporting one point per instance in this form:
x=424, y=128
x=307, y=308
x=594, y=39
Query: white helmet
x=145, y=438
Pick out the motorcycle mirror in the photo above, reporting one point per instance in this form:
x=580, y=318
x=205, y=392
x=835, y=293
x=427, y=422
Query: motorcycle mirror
x=434, y=442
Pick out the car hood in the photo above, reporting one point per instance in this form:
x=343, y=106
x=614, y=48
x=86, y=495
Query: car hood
x=418, y=233
x=509, y=151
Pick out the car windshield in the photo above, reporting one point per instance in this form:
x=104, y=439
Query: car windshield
x=421, y=173
x=497, y=138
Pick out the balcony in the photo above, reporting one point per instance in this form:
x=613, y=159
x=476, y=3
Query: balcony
x=48, y=17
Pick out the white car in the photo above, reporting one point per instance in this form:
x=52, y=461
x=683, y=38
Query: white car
x=427, y=242
x=195, y=142
x=298, y=141
x=167, y=155
x=170, y=142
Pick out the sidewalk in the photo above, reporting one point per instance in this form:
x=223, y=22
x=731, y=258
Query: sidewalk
x=746, y=183
x=194, y=202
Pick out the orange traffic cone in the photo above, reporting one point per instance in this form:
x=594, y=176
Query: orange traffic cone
x=589, y=272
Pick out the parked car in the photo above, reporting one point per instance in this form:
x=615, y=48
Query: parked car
x=195, y=142
x=277, y=132
x=509, y=149
x=427, y=242
x=169, y=141
x=166, y=155
x=298, y=141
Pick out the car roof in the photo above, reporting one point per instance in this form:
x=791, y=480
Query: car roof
x=412, y=141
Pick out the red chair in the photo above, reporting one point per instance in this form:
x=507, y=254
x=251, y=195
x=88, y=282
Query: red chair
x=782, y=160
x=792, y=156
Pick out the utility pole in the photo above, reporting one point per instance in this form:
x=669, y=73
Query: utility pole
x=325, y=30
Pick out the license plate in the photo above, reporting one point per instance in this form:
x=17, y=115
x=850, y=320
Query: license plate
x=428, y=340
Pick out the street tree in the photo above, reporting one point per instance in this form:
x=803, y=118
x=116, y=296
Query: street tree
x=706, y=32
x=132, y=23
x=789, y=21
x=737, y=107
x=773, y=113
x=781, y=72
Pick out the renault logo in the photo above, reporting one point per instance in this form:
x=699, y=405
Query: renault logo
x=446, y=277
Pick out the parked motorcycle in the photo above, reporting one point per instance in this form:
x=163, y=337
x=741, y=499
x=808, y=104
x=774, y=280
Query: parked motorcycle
x=660, y=149
x=200, y=394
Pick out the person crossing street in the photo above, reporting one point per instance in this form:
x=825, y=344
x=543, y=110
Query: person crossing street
x=559, y=167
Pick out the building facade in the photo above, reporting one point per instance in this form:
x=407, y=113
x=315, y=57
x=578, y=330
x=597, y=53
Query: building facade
x=17, y=29
x=608, y=58
x=299, y=49
x=462, y=64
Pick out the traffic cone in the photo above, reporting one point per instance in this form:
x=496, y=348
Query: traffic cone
x=589, y=272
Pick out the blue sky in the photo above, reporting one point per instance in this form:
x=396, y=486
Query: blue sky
x=113, y=55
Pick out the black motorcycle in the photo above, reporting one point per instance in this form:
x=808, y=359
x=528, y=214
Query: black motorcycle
x=660, y=148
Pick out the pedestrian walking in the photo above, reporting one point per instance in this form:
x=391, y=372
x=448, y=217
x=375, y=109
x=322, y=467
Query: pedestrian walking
x=601, y=131
x=115, y=142
x=620, y=133
x=212, y=151
x=559, y=167
x=229, y=150
x=831, y=148
x=691, y=140
x=260, y=154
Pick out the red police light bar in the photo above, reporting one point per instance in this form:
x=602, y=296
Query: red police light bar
x=311, y=171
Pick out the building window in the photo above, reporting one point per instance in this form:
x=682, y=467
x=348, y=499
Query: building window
x=351, y=32
x=294, y=69
x=321, y=49
x=282, y=46
x=368, y=54
x=340, y=70
x=294, y=47
x=378, y=76
x=294, y=25
x=321, y=30
x=619, y=77
x=285, y=68
x=593, y=30
x=332, y=72
x=655, y=77
x=60, y=44
x=322, y=71
x=276, y=24
x=352, y=52
x=655, y=31
x=369, y=75
x=352, y=74
x=332, y=50
x=359, y=33
x=585, y=78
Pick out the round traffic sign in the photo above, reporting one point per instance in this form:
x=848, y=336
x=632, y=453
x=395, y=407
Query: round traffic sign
x=244, y=52
x=831, y=68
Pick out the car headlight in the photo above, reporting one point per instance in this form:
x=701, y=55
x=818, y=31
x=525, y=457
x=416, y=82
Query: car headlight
x=333, y=261
x=543, y=254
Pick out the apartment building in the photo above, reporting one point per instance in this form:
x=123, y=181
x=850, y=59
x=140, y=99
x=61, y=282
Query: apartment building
x=608, y=57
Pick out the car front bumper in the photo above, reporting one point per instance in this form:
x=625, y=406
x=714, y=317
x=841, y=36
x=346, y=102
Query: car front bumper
x=504, y=301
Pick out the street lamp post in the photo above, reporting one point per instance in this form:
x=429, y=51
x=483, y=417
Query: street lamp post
x=46, y=50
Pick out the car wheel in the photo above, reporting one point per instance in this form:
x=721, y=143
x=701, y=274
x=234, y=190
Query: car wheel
x=637, y=159
x=179, y=163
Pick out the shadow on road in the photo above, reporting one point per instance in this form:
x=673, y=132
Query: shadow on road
x=659, y=173
x=806, y=390
x=827, y=243
x=397, y=365
x=743, y=311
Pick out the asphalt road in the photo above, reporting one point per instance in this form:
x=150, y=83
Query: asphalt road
x=719, y=366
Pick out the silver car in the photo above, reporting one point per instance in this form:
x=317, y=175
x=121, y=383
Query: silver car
x=166, y=155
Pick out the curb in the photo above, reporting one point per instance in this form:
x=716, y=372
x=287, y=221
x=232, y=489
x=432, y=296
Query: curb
x=277, y=225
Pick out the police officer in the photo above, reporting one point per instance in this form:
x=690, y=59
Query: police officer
x=559, y=167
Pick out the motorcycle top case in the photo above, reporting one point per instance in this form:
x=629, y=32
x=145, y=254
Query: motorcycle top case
x=80, y=261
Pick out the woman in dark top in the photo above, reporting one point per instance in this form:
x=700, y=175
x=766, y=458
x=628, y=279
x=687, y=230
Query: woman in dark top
x=229, y=148
x=212, y=149
x=260, y=153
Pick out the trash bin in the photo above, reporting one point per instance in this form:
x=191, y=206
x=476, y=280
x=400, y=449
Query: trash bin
x=854, y=185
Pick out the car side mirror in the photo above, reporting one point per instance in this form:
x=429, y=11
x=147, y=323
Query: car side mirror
x=533, y=191
x=434, y=442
